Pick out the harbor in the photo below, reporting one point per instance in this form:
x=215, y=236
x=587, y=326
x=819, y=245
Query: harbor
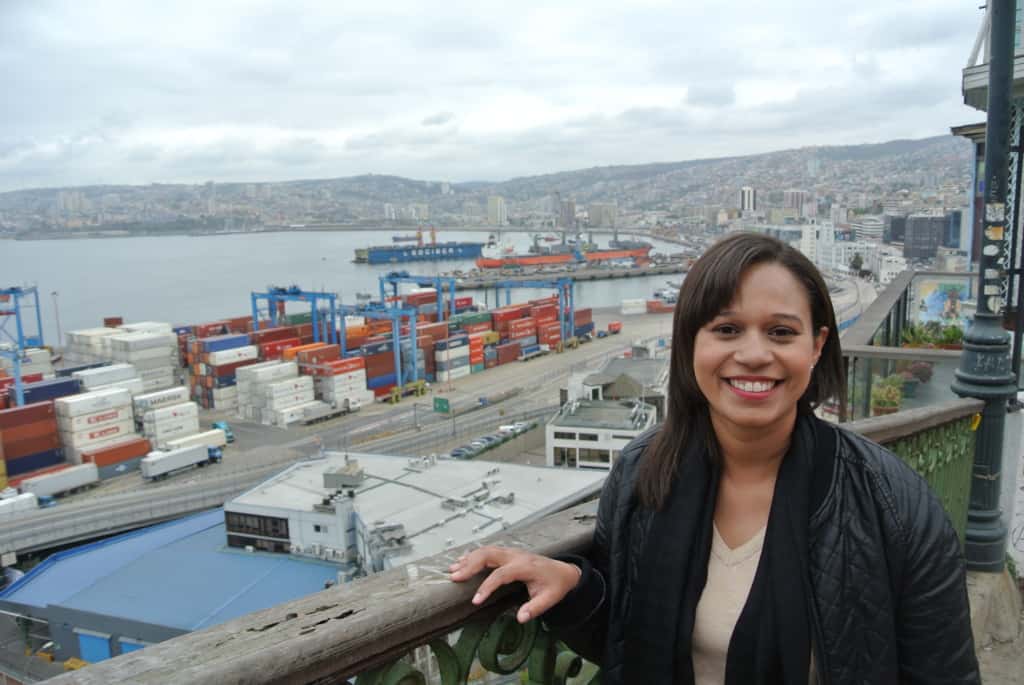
x=490, y=279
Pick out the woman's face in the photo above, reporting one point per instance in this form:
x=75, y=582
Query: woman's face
x=753, y=361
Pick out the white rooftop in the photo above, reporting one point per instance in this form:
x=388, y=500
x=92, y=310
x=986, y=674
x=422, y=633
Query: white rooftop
x=411, y=491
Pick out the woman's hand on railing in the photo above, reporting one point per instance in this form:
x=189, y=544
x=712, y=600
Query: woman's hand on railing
x=547, y=580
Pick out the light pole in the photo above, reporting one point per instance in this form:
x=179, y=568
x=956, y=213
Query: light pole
x=56, y=313
x=985, y=371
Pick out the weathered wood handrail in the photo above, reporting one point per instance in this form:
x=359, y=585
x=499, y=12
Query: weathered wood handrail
x=349, y=629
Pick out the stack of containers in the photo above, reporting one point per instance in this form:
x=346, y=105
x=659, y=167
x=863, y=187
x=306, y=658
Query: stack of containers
x=522, y=331
x=34, y=361
x=153, y=354
x=380, y=366
x=29, y=438
x=451, y=357
x=583, y=323
x=413, y=361
x=38, y=391
x=502, y=318
x=462, y=304
x=284, y=402
x=249, y=382
x=215, y=363
x=122, y=376
x=549, y=333
x=342, y=383
x=117, y=458
x=170, y=423
x=157, y=400
x=86, y=345
x=272, y=342
x=476, y=352
x=509, y=352
x=94, y=419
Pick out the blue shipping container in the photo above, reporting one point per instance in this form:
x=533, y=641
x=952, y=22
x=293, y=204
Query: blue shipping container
x=120, y=468
x=31, y=462
x=377, y=348
x=182, y=330
x=584, y=329
x=66, y=372
x=381, y=381
x=218, y=343
x=51, y=389
x=225, y=381
x=452, y=343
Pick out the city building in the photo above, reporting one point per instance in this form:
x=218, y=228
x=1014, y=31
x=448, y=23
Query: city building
x=868, y=228
x=590, y=434
x=567, y=213
x=389, y=212
x=603, y=214
x=642, y=377
x=923, y=236
x=497, y=214
x=748, y=200
x=320, y=522
x=895, y=228
x=795, y=199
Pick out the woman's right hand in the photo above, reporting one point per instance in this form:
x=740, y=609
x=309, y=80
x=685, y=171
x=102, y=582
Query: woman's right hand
x=547, y=580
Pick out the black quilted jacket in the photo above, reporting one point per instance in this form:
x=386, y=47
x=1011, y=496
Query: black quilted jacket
x=889, y=598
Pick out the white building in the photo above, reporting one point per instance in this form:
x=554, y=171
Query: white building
x=377, y=512
x=869, y=228
x=603, y=214
x=748, y=200
x=497, y=213
x=889, y=267
x=590, y=434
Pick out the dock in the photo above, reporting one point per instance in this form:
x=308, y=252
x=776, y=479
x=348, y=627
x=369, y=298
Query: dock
x=489, y=280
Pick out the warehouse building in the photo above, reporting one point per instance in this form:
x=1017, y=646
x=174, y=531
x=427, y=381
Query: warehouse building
x=321, y=521
x=590, y=434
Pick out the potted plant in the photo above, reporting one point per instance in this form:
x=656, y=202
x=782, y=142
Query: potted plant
x=916, y=335
x=951, y=338
x=887, y=395
x=922, y=371
x=909, y=385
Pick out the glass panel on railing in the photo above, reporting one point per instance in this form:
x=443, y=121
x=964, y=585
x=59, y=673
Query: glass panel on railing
x=878, y=386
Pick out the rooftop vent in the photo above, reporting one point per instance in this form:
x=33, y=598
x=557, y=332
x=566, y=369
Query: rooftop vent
x=351, y=475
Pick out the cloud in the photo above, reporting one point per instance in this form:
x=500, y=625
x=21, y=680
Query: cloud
x=438, y=119
x=128, y=92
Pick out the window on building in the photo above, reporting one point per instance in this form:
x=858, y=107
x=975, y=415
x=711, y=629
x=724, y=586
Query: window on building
x=601, y=456
x=249, y=524
x=317, y=528
x=560, y=435
x=588, y=437
x=623, y=437
x=595, y=393
x=565, y=456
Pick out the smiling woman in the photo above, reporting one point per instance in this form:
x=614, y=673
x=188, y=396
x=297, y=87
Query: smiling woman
x=746, y=540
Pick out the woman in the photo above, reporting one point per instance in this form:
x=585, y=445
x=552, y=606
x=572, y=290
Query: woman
x=744, y=540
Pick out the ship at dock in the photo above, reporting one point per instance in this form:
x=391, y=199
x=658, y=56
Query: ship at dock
x=571, y=252
x=421, y=251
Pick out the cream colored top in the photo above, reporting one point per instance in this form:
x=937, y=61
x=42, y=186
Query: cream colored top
x=730, y=577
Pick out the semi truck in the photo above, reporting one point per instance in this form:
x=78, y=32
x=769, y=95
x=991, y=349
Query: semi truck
x=61, y=482
x=323, y=411
x=159, y=465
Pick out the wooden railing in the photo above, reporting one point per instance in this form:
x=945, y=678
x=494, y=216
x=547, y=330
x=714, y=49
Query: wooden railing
x=413, y=625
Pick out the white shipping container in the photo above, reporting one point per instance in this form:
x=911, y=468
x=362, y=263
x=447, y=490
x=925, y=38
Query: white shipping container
x=228, y=393
x=104, y=375
x=18, y=505
x=233, y=356
x=276, y=372
x=300, y=384
x=157, y=464
x=155, y=384
x=457, y=353
x=134, y=386
x=290, y=400
x=146, y=327
x=50, y=484
x=134, y=342
x=290, y=415
x=90, y=402
x=211, y=438
x=98, y=419
x=92, y=436
x=460, y=372
x=230, y=404
x=634, y=306
x=175, y=411
x=163, y=398
x=160, y=434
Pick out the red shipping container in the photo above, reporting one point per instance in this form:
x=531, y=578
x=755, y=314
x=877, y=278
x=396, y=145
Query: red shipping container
x=117, y=453
x=267, y=335
x=205, y=330
x=583, y=316
x=304, y=330
x=27, y=431
x=240, y=324
x=23, y=448
x=327, y=353
x=8, y=381
x=461, y=302
x=17, y=416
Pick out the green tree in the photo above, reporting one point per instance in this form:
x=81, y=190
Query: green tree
x=856, y=263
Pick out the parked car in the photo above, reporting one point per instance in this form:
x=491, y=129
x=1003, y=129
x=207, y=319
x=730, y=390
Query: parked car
x=464, y=452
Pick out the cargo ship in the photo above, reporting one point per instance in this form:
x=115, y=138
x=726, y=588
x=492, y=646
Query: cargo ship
x=495, y=257
x=420, y=252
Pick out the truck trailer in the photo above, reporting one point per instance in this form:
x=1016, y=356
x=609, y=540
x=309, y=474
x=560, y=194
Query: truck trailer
x=158, y=465
x=61, y=482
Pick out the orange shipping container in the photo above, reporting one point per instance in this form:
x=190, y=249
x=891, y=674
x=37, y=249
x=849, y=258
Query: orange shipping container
x=292, y=352
x=115, y=454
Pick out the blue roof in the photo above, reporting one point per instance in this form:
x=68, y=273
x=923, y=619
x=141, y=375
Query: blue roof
x=179, y=574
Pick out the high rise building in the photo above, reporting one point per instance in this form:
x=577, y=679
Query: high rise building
x=895, y=228
x=567, y=214
x=795, y=199
x=603, y=214
x=497, y=213
x=954, y=224
x=868, y=228
x=923, y=236
x=748, y=199
x=389, y=212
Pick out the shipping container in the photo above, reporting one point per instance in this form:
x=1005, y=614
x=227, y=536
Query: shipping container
x=219, y=343
x=61, y=482
x=116, y=453
x=18, y=505
x=15, y=450
x=157, y=465
x=33, y=462
x=120, y=468
x=210, y=438
x=28, y=413
x=89, y=402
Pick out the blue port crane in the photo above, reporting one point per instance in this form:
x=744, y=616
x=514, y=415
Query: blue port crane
x=14, y=343
x=566, y=298
x=277, y=296
x=396, y=278
x=395, y=315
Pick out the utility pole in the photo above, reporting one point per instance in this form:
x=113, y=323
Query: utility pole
x=985, y=371
x=56, y=311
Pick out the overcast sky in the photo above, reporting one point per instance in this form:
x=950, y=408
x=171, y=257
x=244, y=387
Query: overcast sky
x=243, y=90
